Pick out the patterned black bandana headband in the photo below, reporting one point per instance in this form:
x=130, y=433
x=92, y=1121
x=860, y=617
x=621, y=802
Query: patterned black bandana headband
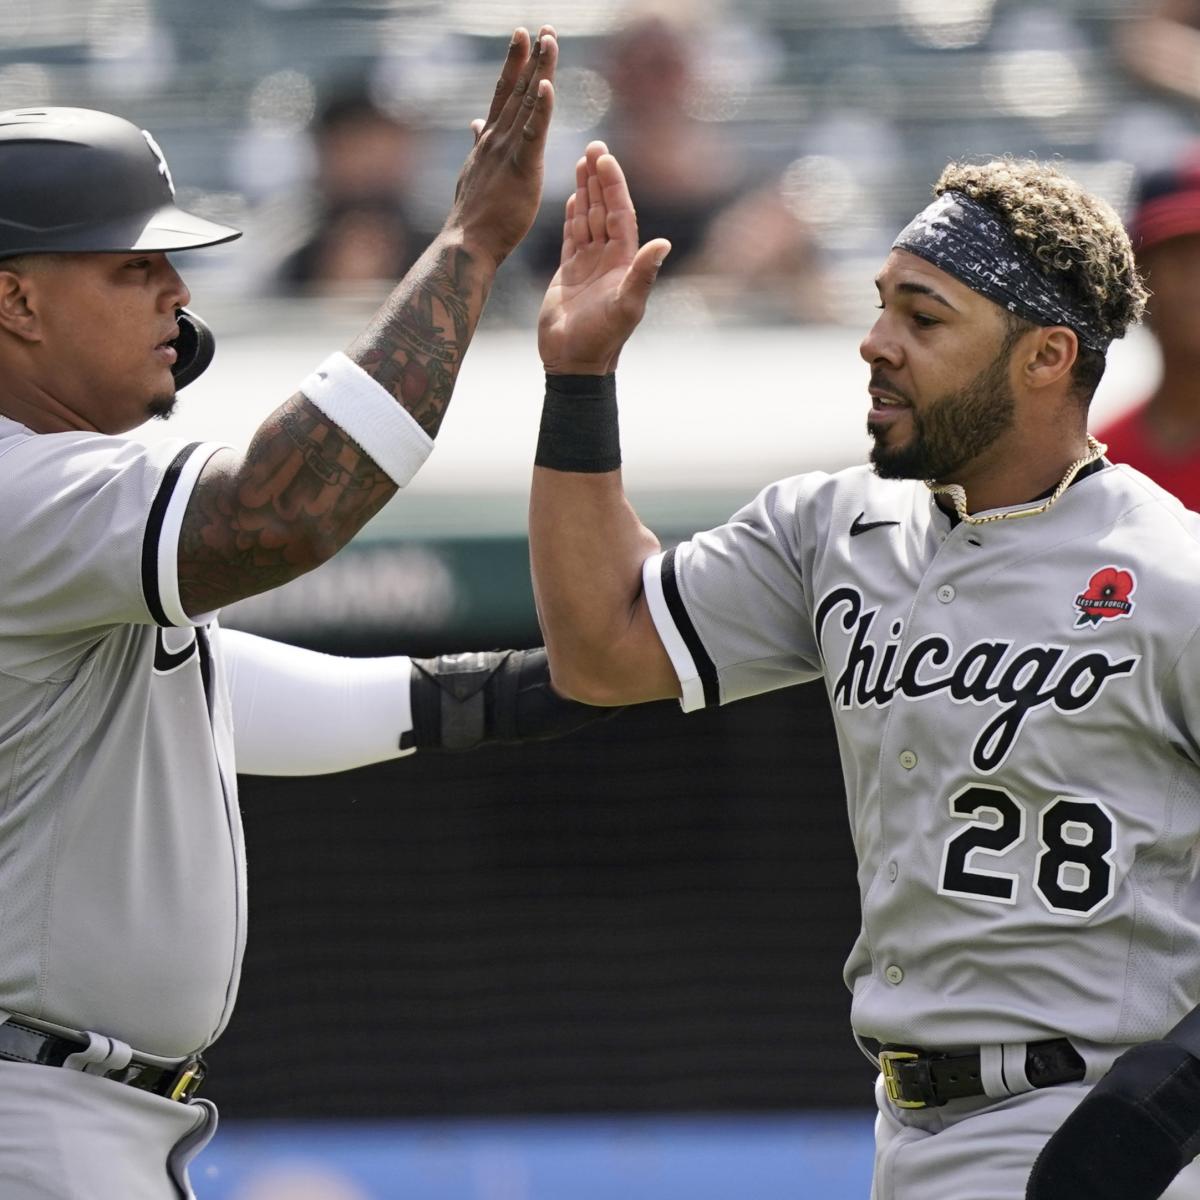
x=965, y=239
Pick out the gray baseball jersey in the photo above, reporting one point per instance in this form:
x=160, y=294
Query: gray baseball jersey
x=121, y=860
x=1018, y=713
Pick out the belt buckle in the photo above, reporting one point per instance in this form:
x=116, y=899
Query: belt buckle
x=891, y=1081
x=188, y=1082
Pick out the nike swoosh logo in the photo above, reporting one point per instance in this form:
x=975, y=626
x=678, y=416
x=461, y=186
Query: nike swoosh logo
x=169, y=660
x=861, y=526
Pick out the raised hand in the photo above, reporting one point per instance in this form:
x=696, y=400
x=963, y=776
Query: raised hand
x=500, y=186
x=599, y=293
x=305, y=486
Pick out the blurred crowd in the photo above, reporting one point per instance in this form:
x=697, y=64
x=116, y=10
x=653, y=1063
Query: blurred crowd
x=739, y=234
x=779, y=144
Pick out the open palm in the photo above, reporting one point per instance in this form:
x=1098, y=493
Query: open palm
x=599, y=293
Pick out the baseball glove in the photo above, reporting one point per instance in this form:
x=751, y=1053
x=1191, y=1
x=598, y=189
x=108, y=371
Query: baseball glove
x=1132, y=1134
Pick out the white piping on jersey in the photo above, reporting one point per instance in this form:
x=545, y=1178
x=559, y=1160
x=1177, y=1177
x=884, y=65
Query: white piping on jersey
x=680, y=656
x=168, y=537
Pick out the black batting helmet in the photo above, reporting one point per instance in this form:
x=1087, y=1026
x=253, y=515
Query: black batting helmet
x=72, y=179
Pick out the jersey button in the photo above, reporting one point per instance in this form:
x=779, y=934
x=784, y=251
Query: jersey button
x=908, y=759
x=945, y=593
x=893, y=870
x=893, y=974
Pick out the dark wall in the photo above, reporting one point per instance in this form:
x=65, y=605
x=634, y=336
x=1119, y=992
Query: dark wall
x=650, y=915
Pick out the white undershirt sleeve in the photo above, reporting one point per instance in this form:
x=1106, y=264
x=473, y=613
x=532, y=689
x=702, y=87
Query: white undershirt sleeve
x=297, y=712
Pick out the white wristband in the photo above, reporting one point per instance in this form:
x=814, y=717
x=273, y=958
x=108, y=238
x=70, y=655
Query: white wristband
x=370, y=415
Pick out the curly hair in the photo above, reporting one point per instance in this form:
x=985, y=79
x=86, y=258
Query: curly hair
x=1076, y=238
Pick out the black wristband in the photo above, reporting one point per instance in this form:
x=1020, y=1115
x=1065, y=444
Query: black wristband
x=579, y=424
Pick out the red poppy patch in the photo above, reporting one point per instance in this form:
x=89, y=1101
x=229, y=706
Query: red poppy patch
x=1106, y=597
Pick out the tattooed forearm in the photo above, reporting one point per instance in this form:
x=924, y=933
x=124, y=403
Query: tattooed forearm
x=415, y=346
x=454, y=283
x=301, y=492
x=303, y=488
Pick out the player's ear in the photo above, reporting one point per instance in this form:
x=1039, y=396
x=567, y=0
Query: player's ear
x=18, y=309
x=1049, y=356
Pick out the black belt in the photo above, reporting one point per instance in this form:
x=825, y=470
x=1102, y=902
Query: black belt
x=917, y=1078
x=21, y=1043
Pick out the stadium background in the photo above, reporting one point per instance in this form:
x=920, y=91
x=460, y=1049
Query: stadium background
x=607, y=967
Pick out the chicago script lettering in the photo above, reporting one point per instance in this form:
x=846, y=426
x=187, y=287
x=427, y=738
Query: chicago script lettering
x=986, y=672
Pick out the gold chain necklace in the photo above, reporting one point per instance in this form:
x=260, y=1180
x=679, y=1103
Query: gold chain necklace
x=958, y=495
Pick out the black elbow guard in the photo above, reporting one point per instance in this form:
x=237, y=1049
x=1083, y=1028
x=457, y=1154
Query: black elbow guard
x=1131, y=1135
x=460, y=701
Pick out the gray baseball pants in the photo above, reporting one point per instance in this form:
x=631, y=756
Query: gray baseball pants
x=977, y=1149
x=65, y=1135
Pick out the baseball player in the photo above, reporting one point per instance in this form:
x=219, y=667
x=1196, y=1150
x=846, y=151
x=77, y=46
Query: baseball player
x=124, y=709
x=1005, y=624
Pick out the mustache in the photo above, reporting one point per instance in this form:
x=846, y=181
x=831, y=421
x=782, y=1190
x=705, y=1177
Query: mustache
x=880, y=381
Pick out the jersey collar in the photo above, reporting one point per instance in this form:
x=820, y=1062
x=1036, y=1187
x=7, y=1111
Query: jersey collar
x=947, y=509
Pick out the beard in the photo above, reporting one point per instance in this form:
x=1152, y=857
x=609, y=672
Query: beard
x=161, y=407
x=953, y=430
